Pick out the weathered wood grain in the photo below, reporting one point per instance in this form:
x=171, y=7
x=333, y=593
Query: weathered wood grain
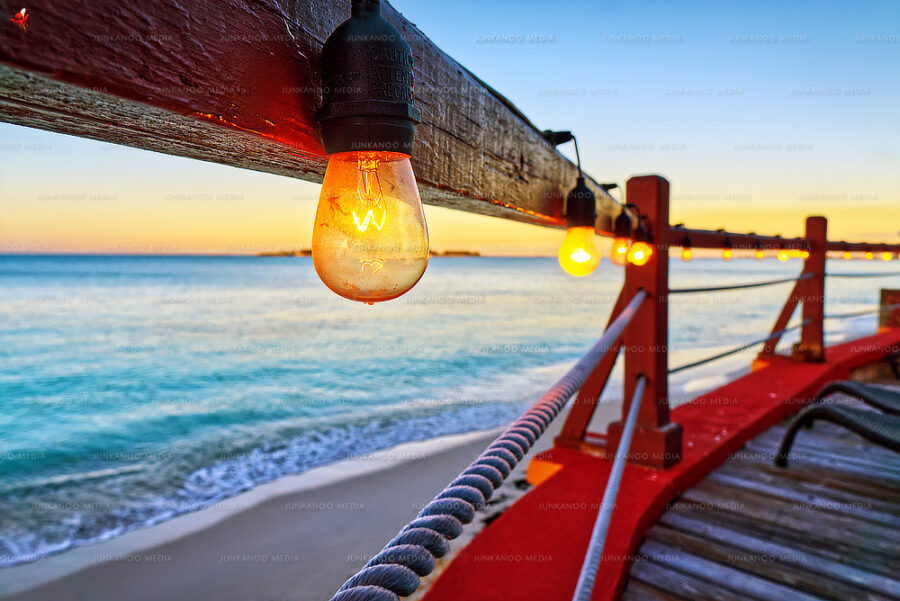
x=237, y=82
x=678, y=585
x=791, y=567
x=785, y=562
x=808, y=530
x=825, y=528
x=720, y=577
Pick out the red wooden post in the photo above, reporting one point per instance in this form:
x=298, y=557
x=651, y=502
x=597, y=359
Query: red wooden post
x=890, y=311
x=812, y=337
x=656, y=442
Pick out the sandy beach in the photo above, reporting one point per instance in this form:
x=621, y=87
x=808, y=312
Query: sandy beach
x=298, y=538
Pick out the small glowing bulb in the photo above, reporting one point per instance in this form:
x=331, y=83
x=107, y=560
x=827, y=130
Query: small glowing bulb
x=639, y=253
x=804, y=254
x=619, y=252
x=578, y=255
x=727, y=254
x=686, y=254
x=783, y=255
x=847, y=254
x=370, y=241
x=886, y=256
x=760, y=255
x=869, y=255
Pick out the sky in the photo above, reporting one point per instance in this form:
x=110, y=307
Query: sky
x=758, y=113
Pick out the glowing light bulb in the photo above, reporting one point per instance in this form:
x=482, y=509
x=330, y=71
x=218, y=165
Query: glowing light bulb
x=886, y=256
x=848, y=254
x=760, y=254
x=869, y=255
x=685, y=254
x=783, y=255
x=727, y=254
x=619, y=252
x=639, y=253
x=804, y=254
x=370, y=241
x=578, y=255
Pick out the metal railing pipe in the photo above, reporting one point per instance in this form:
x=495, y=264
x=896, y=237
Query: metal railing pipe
x=594, y=555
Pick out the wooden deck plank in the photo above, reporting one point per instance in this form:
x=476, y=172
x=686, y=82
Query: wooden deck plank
x=854, y=480
x=674, y=585
x=847, y=448
x=640, y=591
x=811, y=459
x=877, y=499
x=786, y=522
x=787, y=555
x=723, y=576
x=774, y=567
x=825, y=526
x=860, y=507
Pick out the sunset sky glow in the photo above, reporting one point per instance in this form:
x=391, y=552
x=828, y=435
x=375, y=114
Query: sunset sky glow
x=758, y=116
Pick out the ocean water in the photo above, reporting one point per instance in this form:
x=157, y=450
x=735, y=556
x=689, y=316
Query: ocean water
x=135, y=389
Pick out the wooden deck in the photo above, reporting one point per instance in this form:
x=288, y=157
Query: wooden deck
x=535, y=549
x=827, y=527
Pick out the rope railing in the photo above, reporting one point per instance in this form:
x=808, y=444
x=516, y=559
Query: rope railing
x=804, y=276
x=395, y=571
x=738, y=349
x=594, y=555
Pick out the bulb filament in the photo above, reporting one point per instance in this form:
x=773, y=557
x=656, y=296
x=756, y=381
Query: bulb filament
x=371, y=196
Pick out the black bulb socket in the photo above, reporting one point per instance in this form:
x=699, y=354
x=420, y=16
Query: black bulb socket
x=581, y=206
x=641, y=234
x=622, y=227
x=367, y=85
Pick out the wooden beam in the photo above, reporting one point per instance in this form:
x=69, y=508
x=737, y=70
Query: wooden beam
x=237, y=82
x=718, y=239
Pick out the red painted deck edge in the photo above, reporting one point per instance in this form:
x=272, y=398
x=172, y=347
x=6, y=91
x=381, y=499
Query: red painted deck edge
x=534, y=550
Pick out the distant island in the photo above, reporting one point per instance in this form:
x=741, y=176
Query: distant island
x=286, y=253
x=308, y=253
x=455, y=253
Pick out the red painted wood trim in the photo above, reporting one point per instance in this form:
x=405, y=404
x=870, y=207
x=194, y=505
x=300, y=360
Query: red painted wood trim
x=534, y=550
x=812, y=335
x=657, y=441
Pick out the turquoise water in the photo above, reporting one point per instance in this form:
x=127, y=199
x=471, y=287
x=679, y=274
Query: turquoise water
x=134, y=389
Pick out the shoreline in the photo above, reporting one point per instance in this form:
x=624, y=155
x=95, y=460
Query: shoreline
x=289, y=510
x=297, y=537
